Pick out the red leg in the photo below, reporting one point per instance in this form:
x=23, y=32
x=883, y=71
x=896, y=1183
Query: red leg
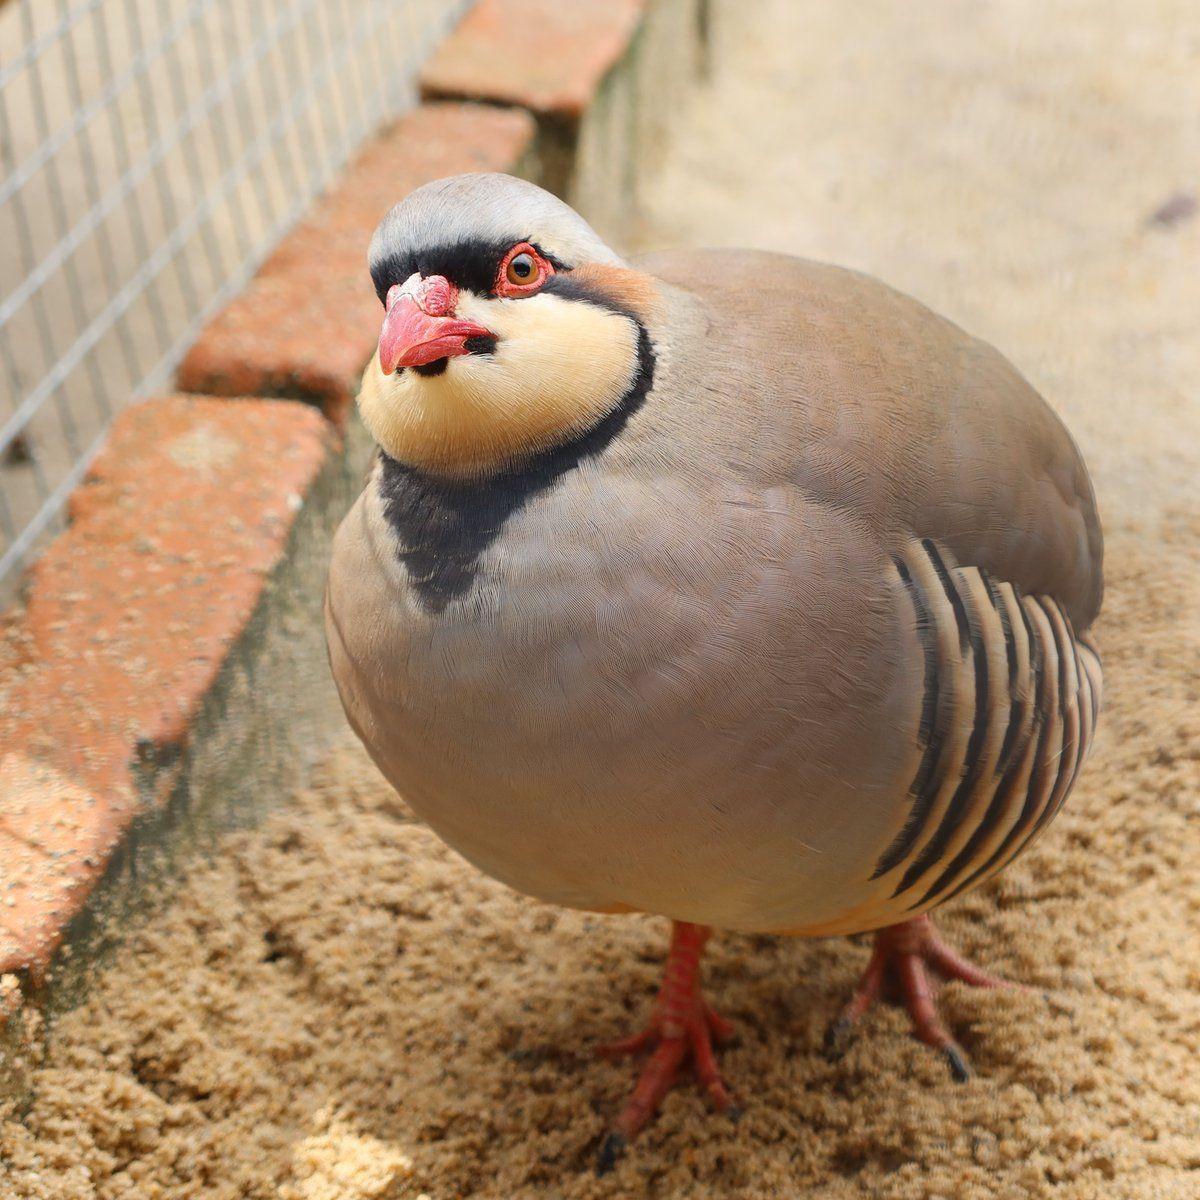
x=906, y=952
x=682, y=1026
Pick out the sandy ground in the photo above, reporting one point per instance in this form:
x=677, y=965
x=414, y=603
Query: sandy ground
x=339, y=1009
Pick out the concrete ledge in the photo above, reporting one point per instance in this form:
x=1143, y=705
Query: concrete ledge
x=308, y=322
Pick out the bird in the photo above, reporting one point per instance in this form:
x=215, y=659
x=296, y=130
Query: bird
x=721, y=585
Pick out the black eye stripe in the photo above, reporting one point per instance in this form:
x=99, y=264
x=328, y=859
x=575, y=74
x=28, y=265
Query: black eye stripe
x=471, y=264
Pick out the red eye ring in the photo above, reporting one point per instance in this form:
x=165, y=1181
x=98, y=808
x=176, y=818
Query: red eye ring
x=522, y=271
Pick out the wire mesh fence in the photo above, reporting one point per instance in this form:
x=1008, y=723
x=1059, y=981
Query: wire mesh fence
x=151, y=153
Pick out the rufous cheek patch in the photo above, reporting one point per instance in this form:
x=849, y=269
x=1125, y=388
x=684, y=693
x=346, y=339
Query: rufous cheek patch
x=629, y=289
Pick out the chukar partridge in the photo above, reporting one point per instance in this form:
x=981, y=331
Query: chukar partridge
x=721, y=585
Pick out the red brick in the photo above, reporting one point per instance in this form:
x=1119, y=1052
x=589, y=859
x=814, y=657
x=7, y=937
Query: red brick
x=53, y=840
x=309, y=321
x=549, y=56
x=129, y=617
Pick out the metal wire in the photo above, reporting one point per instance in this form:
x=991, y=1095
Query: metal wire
x=152, y=153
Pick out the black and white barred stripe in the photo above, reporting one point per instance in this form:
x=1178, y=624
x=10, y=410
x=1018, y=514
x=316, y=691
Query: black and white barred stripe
x=1011, y=699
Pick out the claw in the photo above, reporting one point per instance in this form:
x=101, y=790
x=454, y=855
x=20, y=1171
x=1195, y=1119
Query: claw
x=837, y=1038
x=959, y=1069
x=611, y=1149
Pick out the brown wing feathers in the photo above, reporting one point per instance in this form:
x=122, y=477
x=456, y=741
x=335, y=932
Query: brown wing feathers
x=1009, y=708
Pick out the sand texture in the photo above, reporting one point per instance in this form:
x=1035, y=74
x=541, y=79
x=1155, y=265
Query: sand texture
x=339, y=1009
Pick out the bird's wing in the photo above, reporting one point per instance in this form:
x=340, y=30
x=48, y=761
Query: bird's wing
x=874, y=404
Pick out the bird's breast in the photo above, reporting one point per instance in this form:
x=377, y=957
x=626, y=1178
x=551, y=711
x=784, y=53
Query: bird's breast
x=636, y=692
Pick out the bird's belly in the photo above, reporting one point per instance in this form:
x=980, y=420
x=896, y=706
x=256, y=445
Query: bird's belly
x=696, y=815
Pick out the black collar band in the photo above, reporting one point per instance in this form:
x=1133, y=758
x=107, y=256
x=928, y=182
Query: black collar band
x=444, y=526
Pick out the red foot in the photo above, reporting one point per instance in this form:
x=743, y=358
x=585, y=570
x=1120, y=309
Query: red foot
x=682, y=1025
x=902, y=954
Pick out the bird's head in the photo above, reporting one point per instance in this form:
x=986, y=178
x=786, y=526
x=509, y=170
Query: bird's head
x=509, y=327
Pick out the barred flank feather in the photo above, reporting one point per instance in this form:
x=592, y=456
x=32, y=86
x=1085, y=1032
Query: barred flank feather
x=1011, y=701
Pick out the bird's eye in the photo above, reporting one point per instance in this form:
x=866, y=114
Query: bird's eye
x=521, y=269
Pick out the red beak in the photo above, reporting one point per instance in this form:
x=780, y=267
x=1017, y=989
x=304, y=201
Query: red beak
x=420, y=326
